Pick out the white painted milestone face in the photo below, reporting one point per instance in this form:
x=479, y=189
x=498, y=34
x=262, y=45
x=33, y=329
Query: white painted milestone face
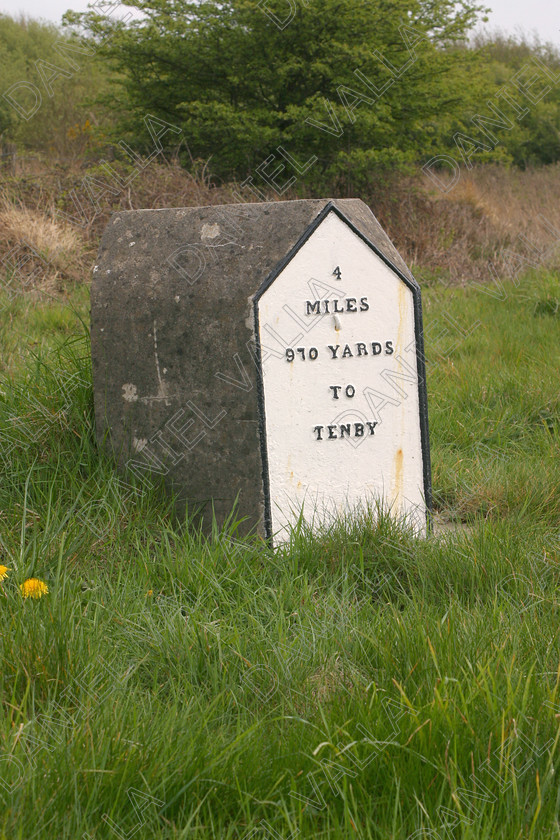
x=340, y=382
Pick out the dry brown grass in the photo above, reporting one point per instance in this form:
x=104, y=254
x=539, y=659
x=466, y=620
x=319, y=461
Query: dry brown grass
x=490, y=214
x=517, y=201
x=40, y=255
x=56, y=241
x=42, y=251
x=452, y=237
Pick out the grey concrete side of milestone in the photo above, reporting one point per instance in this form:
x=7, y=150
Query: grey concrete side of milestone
x=168, y=353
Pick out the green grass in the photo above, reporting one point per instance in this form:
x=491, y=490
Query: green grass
x=495, y=399
x=353, y=684
x=34, y=326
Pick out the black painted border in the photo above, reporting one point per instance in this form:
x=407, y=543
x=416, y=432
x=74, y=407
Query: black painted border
x=420, y=361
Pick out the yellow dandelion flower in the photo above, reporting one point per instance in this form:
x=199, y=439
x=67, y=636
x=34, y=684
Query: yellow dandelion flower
x=3, y=572
x=33, y=588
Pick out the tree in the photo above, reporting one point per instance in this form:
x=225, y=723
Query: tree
x=355, y=85
x=535, y=138
x=46, y=79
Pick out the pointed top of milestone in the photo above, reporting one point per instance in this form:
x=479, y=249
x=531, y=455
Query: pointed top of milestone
x=283, y=222
x=360, y=219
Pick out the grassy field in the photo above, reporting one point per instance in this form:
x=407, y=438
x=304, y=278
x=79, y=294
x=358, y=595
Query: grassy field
x=361, y=683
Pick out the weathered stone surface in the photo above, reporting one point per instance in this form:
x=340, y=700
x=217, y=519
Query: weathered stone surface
x=175, y=372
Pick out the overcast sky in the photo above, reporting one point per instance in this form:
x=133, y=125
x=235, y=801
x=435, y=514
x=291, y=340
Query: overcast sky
x=542, y=16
